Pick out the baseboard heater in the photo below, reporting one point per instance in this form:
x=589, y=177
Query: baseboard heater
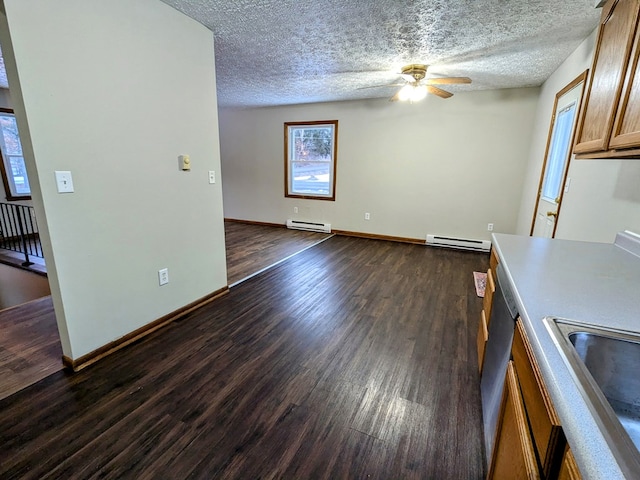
x=461, y=243
x=310, y=226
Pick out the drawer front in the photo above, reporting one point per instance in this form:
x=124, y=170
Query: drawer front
x=483, y=334
x=546, y=430
x=493, y=260
x=489, y=290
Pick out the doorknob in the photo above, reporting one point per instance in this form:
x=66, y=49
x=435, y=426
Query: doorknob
x=552, y=214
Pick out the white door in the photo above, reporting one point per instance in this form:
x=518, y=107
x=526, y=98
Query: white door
x=552, y=181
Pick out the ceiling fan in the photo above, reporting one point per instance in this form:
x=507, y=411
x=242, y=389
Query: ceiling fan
x=416, y=87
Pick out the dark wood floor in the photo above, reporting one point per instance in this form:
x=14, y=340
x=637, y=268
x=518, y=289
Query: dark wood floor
x=353, y=359
x=29, y=342
x=253, y=248
x=29, y=345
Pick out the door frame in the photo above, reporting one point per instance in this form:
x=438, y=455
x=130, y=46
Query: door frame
x=576, y=81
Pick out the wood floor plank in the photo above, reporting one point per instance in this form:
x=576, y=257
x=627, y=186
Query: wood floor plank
x=252, y=248
x=352, y=359
x=30, y=346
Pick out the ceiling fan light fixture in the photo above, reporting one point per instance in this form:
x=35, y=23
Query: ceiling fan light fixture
x=418, y=93
x=405, y=94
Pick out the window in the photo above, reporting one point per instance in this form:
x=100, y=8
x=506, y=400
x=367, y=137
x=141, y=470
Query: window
x=14, y=173
x=310, y=159
x=558, y=153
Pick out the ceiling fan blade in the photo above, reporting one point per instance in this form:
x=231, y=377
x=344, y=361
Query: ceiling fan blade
x=447, y=80
x=380, y=86
x=396, y=97
x=439, y=92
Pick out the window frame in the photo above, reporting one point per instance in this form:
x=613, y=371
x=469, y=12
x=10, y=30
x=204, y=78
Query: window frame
x=5, y=174
x=288, y=184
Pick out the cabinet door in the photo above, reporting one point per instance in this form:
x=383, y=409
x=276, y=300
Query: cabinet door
x=615, y=38
x=513, y=454
x=569, y=469
x=546, y=431
x=626, y=127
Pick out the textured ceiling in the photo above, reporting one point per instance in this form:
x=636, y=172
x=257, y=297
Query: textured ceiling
x=279, y=52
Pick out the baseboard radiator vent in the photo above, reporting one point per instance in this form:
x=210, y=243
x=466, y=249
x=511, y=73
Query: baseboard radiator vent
x=310, y=226
x=460, y=243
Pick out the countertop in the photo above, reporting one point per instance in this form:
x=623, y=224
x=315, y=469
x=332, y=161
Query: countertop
x=595, y=283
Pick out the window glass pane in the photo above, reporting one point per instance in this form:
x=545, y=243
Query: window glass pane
x=310, y=178
x=19, y=174
x=558, y=153
x=10, y=135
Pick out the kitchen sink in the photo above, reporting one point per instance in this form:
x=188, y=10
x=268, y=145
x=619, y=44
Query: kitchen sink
x=605, y=364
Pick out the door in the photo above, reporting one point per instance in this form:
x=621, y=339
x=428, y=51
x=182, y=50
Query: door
x=557, y=157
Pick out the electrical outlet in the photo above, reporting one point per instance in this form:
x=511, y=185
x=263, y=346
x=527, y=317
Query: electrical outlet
x=490, y=227
x=367, y=216
x=163, y=276
x=295, y=209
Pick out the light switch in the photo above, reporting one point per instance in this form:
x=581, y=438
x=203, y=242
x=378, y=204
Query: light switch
x=212, y=176
x=64, y=181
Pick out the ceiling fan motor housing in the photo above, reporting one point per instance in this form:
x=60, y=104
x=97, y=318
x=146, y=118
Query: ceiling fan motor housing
x=416, y=70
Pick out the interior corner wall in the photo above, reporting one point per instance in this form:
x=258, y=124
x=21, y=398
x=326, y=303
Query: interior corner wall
x=445, y=167
x=129, y=87
x=603, y=196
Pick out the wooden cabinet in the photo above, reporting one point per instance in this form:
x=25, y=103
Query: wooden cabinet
x=626, y=126
x=513, y=453
x=569, y=468
x=483, y=325
x=530, y=443
x=489, y=290
x=481, y=342
x=610, y=118
x=544, y=423
x=493, y=260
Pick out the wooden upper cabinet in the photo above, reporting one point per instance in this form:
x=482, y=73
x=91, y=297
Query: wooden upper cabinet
x=626, y=127
x=612, y=64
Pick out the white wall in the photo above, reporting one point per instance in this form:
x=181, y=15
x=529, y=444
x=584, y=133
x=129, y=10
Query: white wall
x=114, y=92
x=603, y=196
x=443, y=166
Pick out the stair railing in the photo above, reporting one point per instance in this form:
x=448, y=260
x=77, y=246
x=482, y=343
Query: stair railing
x=19, y=231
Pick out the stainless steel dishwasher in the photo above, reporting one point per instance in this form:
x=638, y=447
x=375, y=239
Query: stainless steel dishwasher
x=504, y=311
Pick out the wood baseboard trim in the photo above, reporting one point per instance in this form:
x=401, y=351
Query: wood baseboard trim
x=253, y=222
x=112, y=347
x=374, y=236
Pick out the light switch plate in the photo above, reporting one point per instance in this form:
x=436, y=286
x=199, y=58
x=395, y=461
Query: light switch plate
x=64, y=181
x=212, y=176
